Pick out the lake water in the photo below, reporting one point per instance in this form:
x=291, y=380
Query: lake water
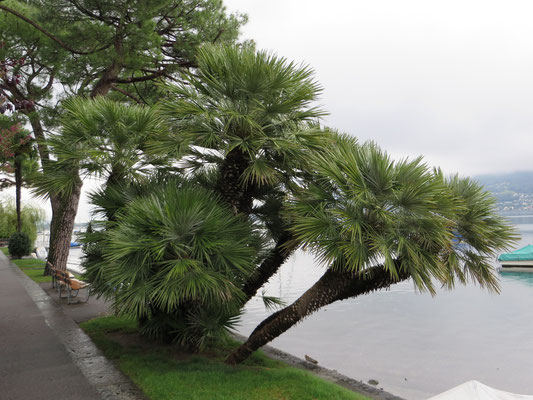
x=414, y=344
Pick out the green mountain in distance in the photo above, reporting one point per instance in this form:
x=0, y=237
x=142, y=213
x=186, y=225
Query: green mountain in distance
x=513, y=191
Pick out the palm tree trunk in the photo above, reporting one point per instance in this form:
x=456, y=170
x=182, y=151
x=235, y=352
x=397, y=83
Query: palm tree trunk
x=285, y=246
x=332, y=286
x=229, y=184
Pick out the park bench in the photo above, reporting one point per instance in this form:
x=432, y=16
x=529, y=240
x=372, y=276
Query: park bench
x=65, y=281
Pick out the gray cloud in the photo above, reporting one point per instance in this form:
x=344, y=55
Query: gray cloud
x=447, y=79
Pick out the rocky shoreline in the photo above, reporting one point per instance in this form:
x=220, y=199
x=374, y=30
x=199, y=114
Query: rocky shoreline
x=327, y=374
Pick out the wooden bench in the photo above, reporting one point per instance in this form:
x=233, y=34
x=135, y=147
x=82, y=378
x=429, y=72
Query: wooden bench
x=65, y=281
x=54, y=273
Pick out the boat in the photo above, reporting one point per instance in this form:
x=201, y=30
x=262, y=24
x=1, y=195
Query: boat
x=474, y=390
x=518, y=260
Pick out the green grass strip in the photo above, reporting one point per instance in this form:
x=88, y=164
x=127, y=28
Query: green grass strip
x=164, y=373
x=30, y=266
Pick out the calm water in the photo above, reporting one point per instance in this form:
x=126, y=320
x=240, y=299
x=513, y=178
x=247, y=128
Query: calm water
x=415, y=345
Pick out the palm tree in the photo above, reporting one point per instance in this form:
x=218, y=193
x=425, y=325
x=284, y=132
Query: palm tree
x=239, y=128
x=248, y=113
x=174, y=259
x=373, y=222
x=259, y=175
x=98, y=138
x=248, y=117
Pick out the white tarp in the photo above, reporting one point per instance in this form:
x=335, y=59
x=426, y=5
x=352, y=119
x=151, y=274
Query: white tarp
x=41, y=253
x=474, y=390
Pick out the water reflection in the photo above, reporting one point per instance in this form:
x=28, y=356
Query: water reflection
x=525, y=277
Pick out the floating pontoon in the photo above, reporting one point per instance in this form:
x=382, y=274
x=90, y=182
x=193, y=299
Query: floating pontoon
x=519, y=260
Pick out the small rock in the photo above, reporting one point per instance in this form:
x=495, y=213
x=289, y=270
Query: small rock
x=373, y=382
x=311, y=360
x=405, y=379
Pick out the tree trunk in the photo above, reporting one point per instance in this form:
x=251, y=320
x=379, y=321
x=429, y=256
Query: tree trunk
x=18, y=186
x=104, y=84
x=110, y=74
x=64, y=210
x=229, y=184
x=331, y=287
x=278, y=255
x=240, y=198
x=38, y=132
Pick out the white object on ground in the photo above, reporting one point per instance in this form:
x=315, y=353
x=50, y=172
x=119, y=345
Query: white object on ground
x=41, y=253
x=474, y=390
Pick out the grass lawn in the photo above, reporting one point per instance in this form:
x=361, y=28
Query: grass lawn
x=31, y=267
x=164, y=372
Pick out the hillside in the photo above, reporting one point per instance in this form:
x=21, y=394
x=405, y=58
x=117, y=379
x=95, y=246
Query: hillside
x=514, y=191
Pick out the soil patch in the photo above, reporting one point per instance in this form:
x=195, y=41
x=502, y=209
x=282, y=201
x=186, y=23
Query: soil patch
x=134, y=339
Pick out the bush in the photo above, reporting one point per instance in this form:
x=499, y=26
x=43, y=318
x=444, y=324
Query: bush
x=181, y=252
x=19, y=245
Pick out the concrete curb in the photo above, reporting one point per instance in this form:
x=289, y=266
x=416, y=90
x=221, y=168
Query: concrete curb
x=108, y=381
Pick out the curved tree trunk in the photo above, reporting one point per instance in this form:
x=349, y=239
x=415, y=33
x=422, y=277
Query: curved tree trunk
x=64, y=210
x=332, y=286
x=285, y=246
x=38, y=132
x=240, y=198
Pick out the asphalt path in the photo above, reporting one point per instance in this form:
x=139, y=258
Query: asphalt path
x=44, y=354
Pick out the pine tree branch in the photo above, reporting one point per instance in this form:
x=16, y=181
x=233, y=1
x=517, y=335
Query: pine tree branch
x=51, y=36
x=127, y=94
x=140, y=78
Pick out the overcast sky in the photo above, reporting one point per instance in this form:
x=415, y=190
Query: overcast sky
x=451, y=80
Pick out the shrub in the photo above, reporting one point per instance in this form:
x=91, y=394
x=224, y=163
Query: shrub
x=19, y=245
x=183, y=255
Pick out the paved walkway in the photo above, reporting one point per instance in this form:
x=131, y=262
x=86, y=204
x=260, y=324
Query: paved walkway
x=44, y=354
